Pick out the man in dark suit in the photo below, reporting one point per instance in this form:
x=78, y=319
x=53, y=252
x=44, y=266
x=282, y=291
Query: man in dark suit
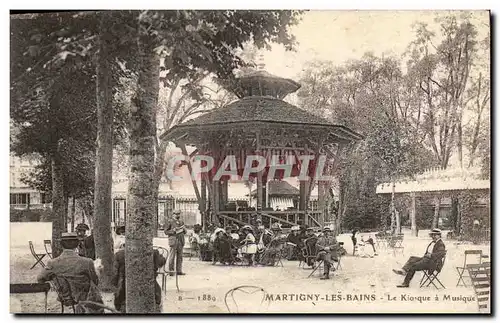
x=327, y=247
x=86, y=247
x=431, y=260
x=119, y=278
x=175, y=230
x=78, y=271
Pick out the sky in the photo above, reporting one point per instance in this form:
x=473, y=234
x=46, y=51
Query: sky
x=338, y=36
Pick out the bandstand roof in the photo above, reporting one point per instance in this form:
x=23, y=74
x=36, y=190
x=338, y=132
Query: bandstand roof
x=254, y=111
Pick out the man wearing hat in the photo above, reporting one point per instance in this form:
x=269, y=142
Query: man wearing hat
x=309, y=242
x=432, y=259
x=327, y=247
x=273, y=246
x=175, y=230
x=79, y=272
x=86, y=247
x=294, y=243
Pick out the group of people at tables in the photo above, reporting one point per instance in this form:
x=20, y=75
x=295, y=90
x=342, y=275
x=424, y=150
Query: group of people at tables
x=253, y=244
x=256, y=245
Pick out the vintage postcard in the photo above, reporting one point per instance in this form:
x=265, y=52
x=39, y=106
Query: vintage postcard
x=250, y=161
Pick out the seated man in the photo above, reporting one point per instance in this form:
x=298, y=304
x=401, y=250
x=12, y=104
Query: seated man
x=86, y=247
x=431, y=260
x=119, y=278
x=327, y=247
x=294, y=244
x=310, y=245
x=79, y=272
x=273, y=247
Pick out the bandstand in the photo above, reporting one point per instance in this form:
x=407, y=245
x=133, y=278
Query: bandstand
x=260, y=123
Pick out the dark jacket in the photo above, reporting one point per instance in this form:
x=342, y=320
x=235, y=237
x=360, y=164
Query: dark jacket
x=172, y=228
x=86, y=248
x=119, y=277
x=437, y=254
x=80, y=274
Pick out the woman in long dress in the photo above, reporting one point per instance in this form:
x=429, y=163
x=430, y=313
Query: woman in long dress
x=249, y=248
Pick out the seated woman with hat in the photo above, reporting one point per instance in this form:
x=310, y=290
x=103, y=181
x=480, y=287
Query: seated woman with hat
x=249, y=247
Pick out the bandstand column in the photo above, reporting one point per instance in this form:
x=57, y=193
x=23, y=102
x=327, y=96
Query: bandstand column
x=216, y=190
x=259, y=177
x=223, y=195
x=203, y=201
x=259, y=191
x=303, y=193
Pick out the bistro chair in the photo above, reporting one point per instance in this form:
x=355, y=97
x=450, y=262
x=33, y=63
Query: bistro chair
x=164, y=272
x=232, y=303
x=431, y=275
x=309, y=252
x=65, y=297
x=38, y=256
x=477, y=256
x=48, y=247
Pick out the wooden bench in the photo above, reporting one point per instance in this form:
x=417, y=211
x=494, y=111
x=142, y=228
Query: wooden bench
x=32, y=288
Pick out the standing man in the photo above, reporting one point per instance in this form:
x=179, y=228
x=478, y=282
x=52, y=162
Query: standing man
x=327, y=247
x=432, y=259
x=175, y=230
x=78, y=271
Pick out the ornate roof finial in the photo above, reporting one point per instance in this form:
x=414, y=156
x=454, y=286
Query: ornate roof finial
x=260, y=62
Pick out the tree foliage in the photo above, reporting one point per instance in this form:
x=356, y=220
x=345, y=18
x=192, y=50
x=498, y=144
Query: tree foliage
x=412, y=117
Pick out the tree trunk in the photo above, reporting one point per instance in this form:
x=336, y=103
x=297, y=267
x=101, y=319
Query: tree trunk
x=437, y=207
x=66, y=207
x=57, y=205
x=140, y=296
x=104, y=155
x=460, y=142
x=393, y=208
x=398, y=220
x=413, y=215
x=156, y=193
x=323, y=199
x=73, y=209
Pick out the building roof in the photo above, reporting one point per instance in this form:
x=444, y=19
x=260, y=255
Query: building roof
x=280, y=188
x=452, y=179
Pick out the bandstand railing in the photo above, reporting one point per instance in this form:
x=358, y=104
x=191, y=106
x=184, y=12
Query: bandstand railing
x=286, y=218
